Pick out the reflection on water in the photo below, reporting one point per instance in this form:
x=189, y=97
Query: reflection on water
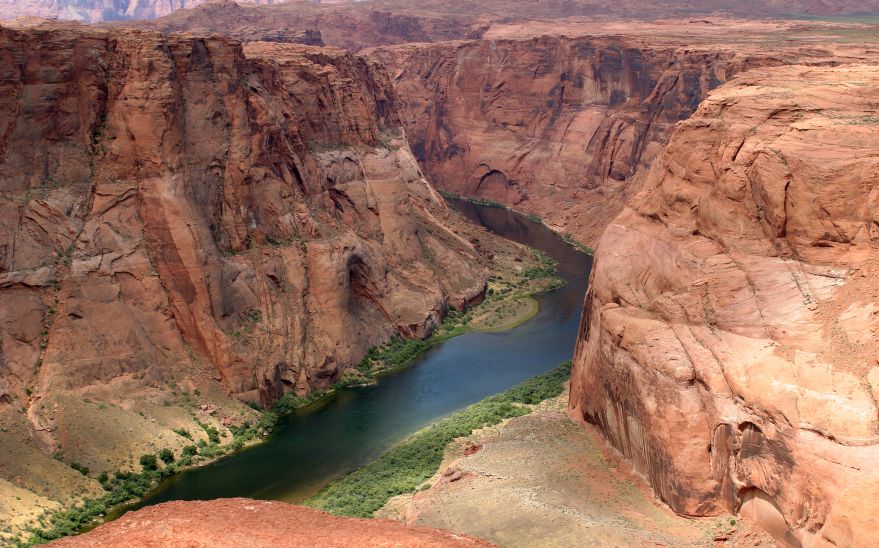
x=354, y=426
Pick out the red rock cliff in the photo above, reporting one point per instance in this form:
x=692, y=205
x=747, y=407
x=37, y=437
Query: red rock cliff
x=551, y=125
x=176, y=200
x=728, y=345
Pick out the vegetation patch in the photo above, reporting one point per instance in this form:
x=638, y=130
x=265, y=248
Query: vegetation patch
x=478, y=201
x=120, y=488
x=577, y=244
x=502, y=307
x=405, y=467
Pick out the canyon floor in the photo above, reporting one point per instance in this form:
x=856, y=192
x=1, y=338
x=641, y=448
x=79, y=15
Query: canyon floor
x=544, y=480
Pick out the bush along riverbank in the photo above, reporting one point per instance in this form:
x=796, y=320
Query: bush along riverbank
x=508, y=300
x=404, y=468
x=512, y=282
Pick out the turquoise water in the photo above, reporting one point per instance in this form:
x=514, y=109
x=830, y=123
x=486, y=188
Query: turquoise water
x=353, y=426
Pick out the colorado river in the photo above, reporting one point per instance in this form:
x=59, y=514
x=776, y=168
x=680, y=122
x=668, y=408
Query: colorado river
x=353, y=426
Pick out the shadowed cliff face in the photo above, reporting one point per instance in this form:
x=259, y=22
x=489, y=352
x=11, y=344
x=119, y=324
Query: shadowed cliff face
x=171, y=202
x=555, y=126
x=728, y=341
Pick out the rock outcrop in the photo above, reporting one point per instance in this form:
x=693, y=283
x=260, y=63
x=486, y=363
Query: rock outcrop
x=728, y=346
x=179, y=210
x=258, y=523
x=341, y=25
x=363, y=24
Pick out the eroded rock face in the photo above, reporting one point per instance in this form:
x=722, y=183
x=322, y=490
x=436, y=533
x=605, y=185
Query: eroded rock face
x=728, y=345
x=171, y=200
x=338, y=24
x=556, y=126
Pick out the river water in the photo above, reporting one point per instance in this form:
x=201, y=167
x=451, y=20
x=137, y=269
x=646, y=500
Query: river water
x=354, y=426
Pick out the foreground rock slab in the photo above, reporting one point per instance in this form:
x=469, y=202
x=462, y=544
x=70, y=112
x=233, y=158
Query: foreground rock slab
x=255, y=523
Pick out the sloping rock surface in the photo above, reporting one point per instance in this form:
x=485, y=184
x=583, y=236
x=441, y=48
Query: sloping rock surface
x=728, y=345
x=257, y=523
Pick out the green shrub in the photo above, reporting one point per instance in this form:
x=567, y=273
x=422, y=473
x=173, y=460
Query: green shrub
x=406, y=466
x=183, y=432
x=581, y=246
x=166, y=455
x=212, y=432
x=84, y=470
x=149, y=462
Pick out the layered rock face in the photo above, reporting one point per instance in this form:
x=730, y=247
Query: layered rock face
x=351, y=27
x=555, y=126
x=171, y=202
x=363, y=24
x=728, y=345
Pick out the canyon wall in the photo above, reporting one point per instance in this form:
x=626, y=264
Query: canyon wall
x=178, y=213
x=555, y=126
x=728, y=346
x=345, y=26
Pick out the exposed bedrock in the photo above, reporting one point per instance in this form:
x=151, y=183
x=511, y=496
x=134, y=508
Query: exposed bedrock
x=556, y=126
x=728, y=346
x=174, y=200
x=230, y=523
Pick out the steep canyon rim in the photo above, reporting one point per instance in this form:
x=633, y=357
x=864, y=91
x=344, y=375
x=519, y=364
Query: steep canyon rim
x=687, y=148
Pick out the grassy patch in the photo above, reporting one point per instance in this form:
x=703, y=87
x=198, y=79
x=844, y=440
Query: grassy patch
x=577, y=244
x=405, y=467
x=472, y=200
x=122, y=487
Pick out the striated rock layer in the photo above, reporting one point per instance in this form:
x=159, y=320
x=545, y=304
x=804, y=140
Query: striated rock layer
x=728, y=345
x=171, y=204
x=359, y=24
x=257, y=523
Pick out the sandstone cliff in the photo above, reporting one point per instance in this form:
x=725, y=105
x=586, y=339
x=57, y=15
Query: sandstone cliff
x=551, y=125
x=363, y=24
x=178, y=213
x=346, y=26
x=728, y=345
